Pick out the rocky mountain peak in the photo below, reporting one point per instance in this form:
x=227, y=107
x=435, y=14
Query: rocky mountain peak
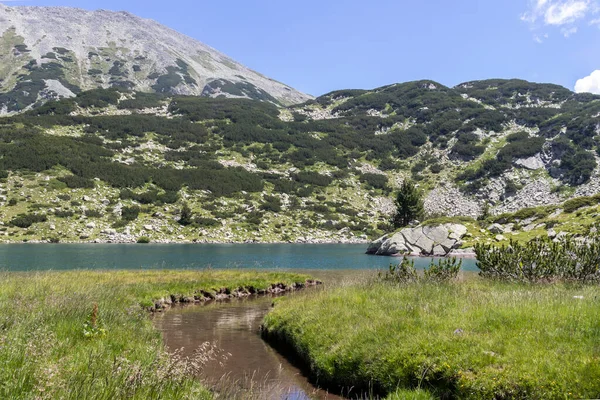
x=103, y=48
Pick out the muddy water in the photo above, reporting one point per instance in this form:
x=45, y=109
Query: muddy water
x=251, y=365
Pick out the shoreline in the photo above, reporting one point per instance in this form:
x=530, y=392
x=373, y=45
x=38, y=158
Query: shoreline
x=226, y=294
x=100, y=241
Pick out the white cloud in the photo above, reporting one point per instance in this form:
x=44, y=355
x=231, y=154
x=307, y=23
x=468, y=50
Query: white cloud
x=565, y=14
x=589, y=84
x=568, y=31
x=561, y=13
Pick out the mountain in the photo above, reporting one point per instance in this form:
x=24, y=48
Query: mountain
x=120, y=165
x=52, y=52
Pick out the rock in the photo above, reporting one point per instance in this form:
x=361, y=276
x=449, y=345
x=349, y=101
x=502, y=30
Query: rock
x=436, y=240
x=86, y=198
x=500, y=238
x=531, y=163
x=495, y=228
x=457, y=231
x=551, y=233
x=417, y=238
x=109, y=232
x=52, y=227
x=149, y=228
x=529, y=227
x=439, y=251
x=91, y=225
x=373, y=246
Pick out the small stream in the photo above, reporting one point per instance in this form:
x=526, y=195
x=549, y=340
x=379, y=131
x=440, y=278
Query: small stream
x=251, y=366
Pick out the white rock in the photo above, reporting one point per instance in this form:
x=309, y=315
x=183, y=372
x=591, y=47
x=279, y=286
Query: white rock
x=495, y=228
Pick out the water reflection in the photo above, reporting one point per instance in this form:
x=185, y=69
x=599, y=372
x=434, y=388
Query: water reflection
x=251, y=364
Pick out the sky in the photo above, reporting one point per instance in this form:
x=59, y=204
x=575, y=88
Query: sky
x=317, y=46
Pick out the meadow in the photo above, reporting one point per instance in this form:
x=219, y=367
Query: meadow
x=88, y=334
x=472, y=338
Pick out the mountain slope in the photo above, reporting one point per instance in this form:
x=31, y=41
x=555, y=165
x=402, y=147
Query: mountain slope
x=118, y=165
x=47, y=52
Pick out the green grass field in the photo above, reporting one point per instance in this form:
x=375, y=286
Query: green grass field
x=472, y=339
x=45, y=353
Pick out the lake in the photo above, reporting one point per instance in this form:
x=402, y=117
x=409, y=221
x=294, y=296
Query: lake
x=26, y=257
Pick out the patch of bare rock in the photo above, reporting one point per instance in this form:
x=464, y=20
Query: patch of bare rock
x=436, y=240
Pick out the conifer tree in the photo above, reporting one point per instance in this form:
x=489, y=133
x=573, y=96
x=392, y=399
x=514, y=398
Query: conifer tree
x=409, y=205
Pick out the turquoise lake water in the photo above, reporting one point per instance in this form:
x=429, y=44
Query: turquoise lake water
x=25, y=257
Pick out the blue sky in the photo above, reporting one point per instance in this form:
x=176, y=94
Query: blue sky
x=318, y=46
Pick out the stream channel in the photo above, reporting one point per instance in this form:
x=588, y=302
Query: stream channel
x=245, y=362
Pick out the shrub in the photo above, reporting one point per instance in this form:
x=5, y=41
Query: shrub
x=77, y=182
x=93, y=214
x=272, y=203
x=205, y=222
x=574, y=204
x=445, y=270
x=64, y=213
x=404, y=272
x=130, y=213
x=375, y=181
x=26, y=220
x=143, y=240
x=12, y=202
x=541, y=260
x=186, y=215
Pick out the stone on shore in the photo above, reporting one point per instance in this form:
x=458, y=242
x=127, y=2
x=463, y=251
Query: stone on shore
x=435, y=240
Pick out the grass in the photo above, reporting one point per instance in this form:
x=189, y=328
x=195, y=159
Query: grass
x=45, y=354
x=471, y=339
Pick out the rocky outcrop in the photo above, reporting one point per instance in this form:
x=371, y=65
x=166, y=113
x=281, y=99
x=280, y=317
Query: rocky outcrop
x=437, y=240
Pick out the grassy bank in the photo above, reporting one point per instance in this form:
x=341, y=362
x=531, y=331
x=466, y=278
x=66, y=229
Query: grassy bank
x=47, y=352
x=473, y=339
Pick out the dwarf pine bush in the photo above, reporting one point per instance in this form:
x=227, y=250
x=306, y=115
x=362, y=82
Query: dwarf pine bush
x=542, y=260
x=445, y=270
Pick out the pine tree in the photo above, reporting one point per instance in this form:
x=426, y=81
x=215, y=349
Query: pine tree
x=409, y=205
x=186, y=215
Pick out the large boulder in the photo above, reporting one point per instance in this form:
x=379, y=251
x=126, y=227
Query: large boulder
x=434, y=240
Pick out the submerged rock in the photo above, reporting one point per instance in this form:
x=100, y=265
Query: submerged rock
x=435, y=240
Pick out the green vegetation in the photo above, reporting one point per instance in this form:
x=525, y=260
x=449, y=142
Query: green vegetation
x=84, y=334
x=542, y=260
x=409, y=205
x=224, y=156
x=471, y=339
x=445, y=270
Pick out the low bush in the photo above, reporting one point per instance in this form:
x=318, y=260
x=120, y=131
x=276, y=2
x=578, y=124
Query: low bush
x=375, y=181
x=77, y=182
x=26, y=220
x=130, y=213
x=205, y=222
x=143, y=240
x=572, y=205
x=93, y=214
x=64, y=213
x=541, y=260
x=445, y=270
